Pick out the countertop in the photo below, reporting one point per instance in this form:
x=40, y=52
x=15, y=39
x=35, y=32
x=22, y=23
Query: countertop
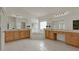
x=76, y=31
x=16, y=29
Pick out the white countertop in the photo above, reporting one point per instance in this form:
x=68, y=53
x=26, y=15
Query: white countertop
x=15, y=29
x=77, y=31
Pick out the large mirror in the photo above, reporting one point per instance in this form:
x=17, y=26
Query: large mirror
x=11, y=23
x=23, y=25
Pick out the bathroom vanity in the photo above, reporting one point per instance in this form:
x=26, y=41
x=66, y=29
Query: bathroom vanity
x=11, y=35
x=71, y=38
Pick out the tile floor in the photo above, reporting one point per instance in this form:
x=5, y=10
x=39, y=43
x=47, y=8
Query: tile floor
x=38, y=43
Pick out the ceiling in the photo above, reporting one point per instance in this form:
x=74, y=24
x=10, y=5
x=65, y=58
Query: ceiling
x=42, y=11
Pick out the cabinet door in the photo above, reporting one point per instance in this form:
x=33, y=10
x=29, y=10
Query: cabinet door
x=9, y=36
x=46, y=34
x=67, y=37
x=27, y=34
x=16, y=35
x=52, y=35
x=75, y=39
x=72, y=38
x=22, y=34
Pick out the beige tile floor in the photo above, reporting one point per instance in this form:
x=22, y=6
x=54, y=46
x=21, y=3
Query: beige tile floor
x=38, y=45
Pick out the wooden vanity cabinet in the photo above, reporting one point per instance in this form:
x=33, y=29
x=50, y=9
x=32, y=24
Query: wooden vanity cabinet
x=72, y=38
x=22, y=34
x=47, y=34
x=9, y=36
x=16, y=35
x=50, y=35
x=28, y=34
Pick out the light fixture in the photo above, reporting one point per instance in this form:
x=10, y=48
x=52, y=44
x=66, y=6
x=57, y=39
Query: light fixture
x=61, y=12
x=13, y=15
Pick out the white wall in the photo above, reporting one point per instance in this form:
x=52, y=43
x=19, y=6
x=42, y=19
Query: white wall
x=0, y=28
x=4, y=21
x=69, y=25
